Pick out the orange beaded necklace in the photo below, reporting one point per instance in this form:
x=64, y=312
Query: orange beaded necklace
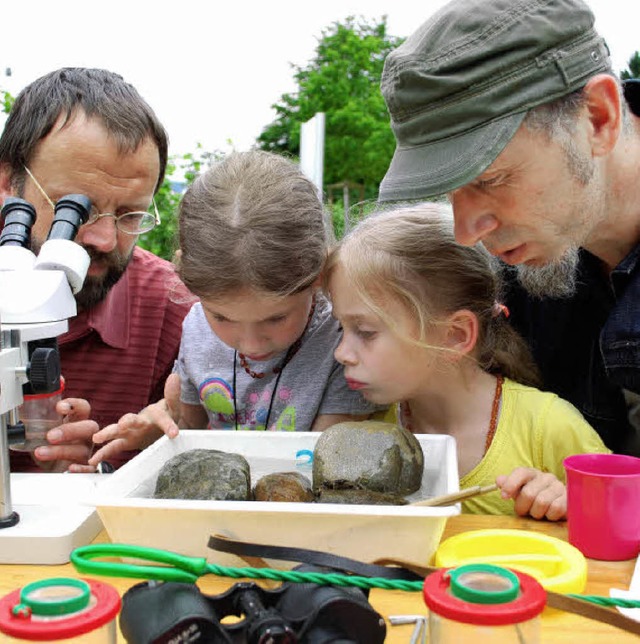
x=494, y=413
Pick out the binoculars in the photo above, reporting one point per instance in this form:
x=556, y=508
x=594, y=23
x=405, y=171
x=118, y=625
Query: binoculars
x=172, y=612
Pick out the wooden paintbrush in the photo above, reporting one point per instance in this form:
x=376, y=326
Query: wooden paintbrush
x=454, y=497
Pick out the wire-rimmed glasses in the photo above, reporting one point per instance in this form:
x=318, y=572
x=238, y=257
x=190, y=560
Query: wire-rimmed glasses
x=130, y=223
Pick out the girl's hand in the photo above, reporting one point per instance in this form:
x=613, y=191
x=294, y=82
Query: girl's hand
x=535, y=493
x=137, y=431
x=69, y=444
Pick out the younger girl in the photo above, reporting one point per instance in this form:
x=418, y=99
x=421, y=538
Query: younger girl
x=257, y=350
x=422, y=324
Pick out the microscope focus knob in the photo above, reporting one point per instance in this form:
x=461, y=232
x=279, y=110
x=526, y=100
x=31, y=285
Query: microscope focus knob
x=44, y=370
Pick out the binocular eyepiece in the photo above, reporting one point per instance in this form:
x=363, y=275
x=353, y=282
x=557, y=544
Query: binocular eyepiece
x=163, y=613
x=19, y=216
x=59, y=252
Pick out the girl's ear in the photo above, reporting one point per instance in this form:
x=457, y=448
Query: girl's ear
x=462, y=332
x=317, y=283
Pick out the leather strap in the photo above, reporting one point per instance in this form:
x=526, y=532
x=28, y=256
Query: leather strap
x=402, y=570
x=316, y=557
x=592, y=611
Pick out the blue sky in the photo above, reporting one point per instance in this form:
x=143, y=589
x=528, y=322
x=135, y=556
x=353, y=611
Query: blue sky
x=210, y=68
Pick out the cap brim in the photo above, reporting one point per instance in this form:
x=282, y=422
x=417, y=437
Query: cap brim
x=431, y=169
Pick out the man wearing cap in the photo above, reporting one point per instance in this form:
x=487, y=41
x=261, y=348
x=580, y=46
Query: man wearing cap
x=510, y=108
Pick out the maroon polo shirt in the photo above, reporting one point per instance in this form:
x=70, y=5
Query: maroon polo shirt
x=118, y=354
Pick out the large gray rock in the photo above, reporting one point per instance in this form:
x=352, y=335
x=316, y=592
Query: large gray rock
x=205, y=474
x=368, y=455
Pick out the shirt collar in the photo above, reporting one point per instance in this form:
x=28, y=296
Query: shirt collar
x=625, y=270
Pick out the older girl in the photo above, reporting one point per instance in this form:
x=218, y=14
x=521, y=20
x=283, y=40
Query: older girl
x=257, y=349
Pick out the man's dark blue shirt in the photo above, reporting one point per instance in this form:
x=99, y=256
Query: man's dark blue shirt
x=588, y=346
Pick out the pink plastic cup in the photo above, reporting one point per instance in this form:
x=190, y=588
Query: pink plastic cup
x=603, y=505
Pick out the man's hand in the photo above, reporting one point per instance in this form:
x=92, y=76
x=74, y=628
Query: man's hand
x=535, y=493
x=137, y=431
x=70, y=443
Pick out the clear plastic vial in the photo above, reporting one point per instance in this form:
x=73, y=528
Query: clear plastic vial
x=483, y=603
x=39, y=415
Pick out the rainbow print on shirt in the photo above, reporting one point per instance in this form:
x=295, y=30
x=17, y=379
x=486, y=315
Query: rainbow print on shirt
x=217, y=396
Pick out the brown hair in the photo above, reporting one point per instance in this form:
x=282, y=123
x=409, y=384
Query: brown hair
x=409, y=256
x=252, y=220
x=99, y=93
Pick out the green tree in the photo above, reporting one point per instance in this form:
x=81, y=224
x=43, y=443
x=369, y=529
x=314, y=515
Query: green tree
x=162, y=240
x=6, y=101
x=634, y=68
x=343, y=81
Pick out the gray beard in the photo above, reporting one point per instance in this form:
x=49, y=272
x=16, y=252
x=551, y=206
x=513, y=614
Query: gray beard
x=556, y=280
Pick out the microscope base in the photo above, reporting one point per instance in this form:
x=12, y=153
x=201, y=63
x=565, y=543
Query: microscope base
x=54, y=518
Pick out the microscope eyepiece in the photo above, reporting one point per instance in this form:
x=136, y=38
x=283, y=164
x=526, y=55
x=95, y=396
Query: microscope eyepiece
x=18, y=216
x=70, y=213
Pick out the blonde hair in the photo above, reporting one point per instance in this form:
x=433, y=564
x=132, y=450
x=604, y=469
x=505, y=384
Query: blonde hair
x=408, y=256
x=253, y=220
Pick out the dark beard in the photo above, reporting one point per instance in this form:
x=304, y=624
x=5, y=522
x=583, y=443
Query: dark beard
x=557, y=280
x=95, y=289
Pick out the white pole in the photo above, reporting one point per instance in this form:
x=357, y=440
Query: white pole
x=312, y=149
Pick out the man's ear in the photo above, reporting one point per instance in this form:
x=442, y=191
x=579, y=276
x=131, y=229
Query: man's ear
x=462, y=332
x=604, y=111
x=5, y=182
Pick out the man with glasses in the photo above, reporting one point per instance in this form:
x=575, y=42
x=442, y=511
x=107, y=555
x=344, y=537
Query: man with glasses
x=87, y=131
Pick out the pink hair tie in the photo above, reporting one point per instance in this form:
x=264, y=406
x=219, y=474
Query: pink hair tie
x=500, y=309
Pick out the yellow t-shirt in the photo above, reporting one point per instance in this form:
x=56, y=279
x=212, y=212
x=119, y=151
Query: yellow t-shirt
x=535, y=429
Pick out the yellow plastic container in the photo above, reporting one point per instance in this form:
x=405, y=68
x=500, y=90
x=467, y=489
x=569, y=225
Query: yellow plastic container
x=556, y=564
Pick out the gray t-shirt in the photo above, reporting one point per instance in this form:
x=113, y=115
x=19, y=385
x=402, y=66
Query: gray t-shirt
x=311, y=383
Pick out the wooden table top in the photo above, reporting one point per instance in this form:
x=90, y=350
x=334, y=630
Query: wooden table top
x=556, y=626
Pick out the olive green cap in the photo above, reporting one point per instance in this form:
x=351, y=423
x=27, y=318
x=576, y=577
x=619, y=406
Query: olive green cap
x=459, y=88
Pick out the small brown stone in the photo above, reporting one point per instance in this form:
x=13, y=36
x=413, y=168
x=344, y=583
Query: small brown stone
x=284, y=487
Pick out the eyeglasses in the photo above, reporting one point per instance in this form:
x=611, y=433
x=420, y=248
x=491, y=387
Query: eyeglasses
x=130, y=223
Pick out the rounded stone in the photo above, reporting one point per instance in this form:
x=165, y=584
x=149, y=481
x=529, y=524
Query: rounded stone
x=284, y=487
x=205, y=474
x=369, y=455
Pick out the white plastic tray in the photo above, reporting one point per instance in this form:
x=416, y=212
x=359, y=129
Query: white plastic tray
x=363, y=532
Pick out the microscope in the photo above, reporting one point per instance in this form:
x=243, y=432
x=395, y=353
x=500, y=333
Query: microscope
x=36, y=301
